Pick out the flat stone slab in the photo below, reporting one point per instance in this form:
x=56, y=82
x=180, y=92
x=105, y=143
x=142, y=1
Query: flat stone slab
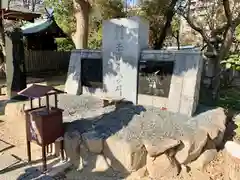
x=5, y=146
x=7, y=161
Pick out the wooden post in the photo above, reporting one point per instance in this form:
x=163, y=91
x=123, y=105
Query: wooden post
x=39, y=102
x=56, y=100
x=31, y=103
x=232, y=161
x=47, y=102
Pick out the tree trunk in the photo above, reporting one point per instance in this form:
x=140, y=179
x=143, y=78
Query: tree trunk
x=82, y=10
x=225, y=47
x=232, y=161
x=2, y=48
x=2, y=38
x=169, y=16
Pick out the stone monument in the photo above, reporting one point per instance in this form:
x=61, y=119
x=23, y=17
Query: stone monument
x=123, y=41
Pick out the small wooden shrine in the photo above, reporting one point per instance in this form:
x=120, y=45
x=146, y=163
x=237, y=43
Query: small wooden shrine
x=41, y=34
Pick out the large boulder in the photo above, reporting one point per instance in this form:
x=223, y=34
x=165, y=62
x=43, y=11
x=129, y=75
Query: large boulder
x=127, y=135
x=158, y=146
x=192, y=146
x=72, y=142
x=213, y=122
x=125, y=156
x=162, y=166
x=208, y=154
x=93, y=142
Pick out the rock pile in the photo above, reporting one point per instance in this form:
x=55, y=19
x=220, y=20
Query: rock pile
x=146, y=141
x=133, y=139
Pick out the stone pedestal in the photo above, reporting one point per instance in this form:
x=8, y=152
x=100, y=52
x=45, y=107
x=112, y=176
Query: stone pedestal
x=73, y=83
x=123, y=40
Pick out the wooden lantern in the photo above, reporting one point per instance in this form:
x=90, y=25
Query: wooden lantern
x=44, y=124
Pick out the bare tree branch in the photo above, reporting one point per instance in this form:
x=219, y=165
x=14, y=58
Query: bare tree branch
x=235, y=23
x=197, y=28
x=169, y=17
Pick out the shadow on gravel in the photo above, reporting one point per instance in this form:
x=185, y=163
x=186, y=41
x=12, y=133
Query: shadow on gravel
x=36, y=173
x=22, y=164
x=106, y=124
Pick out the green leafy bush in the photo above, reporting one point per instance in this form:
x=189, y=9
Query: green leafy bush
x=233, y=61
x=64, y=44
x=237, y=130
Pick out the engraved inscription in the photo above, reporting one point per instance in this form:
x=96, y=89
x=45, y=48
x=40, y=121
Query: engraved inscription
x=118, y=55
x=119, y=48
x=119, y=32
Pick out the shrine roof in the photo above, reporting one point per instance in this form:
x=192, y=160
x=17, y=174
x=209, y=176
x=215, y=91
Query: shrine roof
x=43, y=25
x=13, y=14
x=37, y=91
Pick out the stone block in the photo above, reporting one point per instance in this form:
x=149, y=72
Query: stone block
x=73, y=83
x=212, y=122
x=72, y=142
x=125, y=156
x=158, y=146
x=162, y=167
x=102, y=163
x=192, y=146
x=93, y=143
x=206, y=157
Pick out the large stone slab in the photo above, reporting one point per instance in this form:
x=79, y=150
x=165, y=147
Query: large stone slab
x=73, y=82
x=5, y=146
x=7, y=161
x=123, y=40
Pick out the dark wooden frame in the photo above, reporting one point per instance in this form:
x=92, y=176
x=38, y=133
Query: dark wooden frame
x=18, y=15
